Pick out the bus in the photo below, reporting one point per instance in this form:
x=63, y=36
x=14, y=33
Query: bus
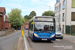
x=42, y=28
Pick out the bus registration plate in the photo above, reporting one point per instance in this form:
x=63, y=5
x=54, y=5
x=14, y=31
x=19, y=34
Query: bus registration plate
x=44, y=39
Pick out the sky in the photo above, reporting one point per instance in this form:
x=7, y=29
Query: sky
x=26, y=6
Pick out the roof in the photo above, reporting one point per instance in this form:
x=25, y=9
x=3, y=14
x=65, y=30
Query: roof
x=41, y=16
x=2, y=10
x=7, y=20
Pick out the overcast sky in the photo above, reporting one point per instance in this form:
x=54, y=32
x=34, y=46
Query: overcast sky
x=28, y=5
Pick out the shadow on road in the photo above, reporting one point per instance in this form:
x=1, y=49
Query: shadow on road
x=40, y=41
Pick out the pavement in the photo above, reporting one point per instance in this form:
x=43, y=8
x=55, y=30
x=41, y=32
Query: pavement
x=9, y=42
x=69, y=37
x=20, y=45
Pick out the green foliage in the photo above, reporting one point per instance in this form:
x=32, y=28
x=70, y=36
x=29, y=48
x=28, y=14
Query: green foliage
x=16, y=18
x=32, y=14
x=48, y=13
x=23, y=21
x=27, y=17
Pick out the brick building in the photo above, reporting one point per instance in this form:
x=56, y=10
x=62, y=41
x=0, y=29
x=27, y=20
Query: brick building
x=4, y=22
x=7, y=23
x=26, y=24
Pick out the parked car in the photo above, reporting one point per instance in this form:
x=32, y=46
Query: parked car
x=59, y=34
x=26, y=28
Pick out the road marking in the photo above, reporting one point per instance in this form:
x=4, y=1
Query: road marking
x=57, y=39
x=26, y=48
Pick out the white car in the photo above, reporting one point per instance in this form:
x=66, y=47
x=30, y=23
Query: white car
x=59, y=34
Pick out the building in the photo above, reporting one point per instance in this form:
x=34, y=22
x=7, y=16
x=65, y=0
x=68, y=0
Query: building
x=2, y=15
x=65, y=15
x=7, y=23
x=3, y=19
x=26, y=24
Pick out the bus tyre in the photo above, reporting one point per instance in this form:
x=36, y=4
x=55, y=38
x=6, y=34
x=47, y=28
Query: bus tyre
x=49, y=40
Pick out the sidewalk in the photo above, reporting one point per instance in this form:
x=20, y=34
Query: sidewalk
x=20, y=45
x=69, y=37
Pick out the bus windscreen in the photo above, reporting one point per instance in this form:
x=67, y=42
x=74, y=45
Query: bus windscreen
x=40, y=26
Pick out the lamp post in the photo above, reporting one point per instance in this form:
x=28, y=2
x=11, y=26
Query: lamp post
x=49, y=9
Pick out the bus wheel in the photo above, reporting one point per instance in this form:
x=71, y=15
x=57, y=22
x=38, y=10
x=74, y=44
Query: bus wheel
x=50, y=41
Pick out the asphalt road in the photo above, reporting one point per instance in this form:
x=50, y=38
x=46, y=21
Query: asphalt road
x=9, y=42
x=59, y=44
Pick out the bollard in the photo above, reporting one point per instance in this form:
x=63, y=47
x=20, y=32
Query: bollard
x=22, y=33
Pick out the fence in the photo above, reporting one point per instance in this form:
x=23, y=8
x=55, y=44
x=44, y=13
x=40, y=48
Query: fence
x=72, y=31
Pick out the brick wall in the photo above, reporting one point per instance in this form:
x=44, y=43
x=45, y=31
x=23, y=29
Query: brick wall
x=1, y=21
x=2, y=12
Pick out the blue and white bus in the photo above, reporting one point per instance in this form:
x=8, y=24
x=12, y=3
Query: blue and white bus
x=36, y=28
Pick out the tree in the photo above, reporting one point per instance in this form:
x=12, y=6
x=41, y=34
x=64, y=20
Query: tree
x=27, y=17
x=16, y=18
x=33, y=13
x=48, y=13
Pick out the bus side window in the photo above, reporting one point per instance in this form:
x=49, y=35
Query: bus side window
x=31, y=25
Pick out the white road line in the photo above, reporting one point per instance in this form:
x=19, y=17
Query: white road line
x=58, y=39
x=25, y=43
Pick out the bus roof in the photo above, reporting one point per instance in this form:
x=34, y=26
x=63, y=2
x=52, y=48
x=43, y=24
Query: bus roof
x=40, y=16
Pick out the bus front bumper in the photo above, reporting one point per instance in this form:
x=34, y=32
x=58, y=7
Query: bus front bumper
x=46, y=39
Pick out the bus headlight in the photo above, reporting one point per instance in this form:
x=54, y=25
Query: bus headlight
x=52, y=35
x=36, y=35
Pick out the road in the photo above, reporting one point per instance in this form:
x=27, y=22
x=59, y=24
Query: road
x=9, y=42
x=59, y=44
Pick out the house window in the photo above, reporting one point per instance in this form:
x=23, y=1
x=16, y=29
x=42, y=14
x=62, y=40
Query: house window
x=63, y=4
x=63, y=17
x=55, y=9
x=58, y=8
x=73, y=3
x=57, y=1
x=73, y=16
x=0, y=15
